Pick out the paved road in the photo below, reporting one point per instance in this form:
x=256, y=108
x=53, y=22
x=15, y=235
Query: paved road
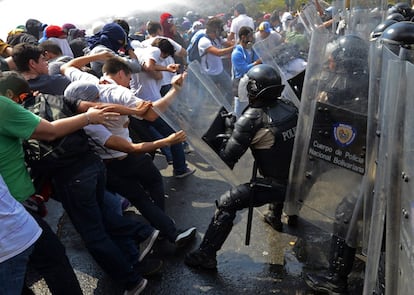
x=266, y=266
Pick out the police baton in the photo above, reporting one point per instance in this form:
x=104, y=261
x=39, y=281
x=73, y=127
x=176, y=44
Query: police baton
x=251, y=198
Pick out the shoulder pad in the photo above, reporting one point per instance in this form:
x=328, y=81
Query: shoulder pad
x=252, y=113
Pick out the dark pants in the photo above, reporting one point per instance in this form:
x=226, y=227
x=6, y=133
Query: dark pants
x=236, y=199
x=50, y=261
x=177, y=150
x=137, y=179
x=81, y=188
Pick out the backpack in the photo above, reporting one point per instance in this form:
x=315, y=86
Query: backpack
x=44, y=157
x=192, y=49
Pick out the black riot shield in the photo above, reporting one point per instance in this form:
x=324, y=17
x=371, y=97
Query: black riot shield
x=329, y=152
x=201, y=110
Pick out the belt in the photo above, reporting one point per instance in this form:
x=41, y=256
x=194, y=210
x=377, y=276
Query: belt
x=114, y=159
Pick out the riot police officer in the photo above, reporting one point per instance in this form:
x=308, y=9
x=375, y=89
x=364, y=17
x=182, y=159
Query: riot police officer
x=347, y=87
x=268, y=127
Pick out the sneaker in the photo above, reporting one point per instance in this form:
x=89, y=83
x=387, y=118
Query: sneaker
x=149, y=266
x=187, y=172
x=148, y=243
x=185, y=236
x=274, y=222
x=138, y=288
x=201, y=259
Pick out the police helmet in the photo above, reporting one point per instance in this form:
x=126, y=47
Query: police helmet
x=395, y=16
x=400, y=33
x=350, y=54
x=380, y=28
x=404, y=9
x=263, y=85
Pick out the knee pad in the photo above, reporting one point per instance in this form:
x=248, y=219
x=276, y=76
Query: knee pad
x=235, y=199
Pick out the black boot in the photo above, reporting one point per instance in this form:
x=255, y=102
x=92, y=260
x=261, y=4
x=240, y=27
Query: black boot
x=335, y=280
x=214, y=238
x=274, y=215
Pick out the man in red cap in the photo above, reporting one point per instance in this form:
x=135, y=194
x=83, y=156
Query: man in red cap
x=58, y=35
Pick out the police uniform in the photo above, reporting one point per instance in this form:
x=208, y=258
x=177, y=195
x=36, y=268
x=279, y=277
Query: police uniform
x=268, y=127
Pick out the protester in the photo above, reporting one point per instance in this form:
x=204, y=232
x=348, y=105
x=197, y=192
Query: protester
x=212, y=48
x=132, y=175
x=241, y=19
x=243, y=58
x=58, y=35
x=18, y=234
x=32, y=64
x=152, y=58
x=48, y=257
x=112, y=38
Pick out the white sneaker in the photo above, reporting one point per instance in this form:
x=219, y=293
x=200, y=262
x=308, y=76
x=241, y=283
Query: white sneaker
x=148, y=243
x=185, y=236
x=138, y=288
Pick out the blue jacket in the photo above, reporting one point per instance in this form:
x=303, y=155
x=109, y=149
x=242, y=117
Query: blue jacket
x=242, y=61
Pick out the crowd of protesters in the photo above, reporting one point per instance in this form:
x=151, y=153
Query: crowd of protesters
x=111, y=79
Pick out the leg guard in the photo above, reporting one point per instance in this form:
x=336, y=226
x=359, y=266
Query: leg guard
x=222, y=222
x=217, y=232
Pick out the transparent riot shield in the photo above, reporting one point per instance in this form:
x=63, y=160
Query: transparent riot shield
x=378, y=66
x=200, y=110
x=385, y=77
x=363, y=16
x=310, y=18
x=329, y=152
x=404, y=246
x=288, y=58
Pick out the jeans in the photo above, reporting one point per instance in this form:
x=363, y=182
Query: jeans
x=81, y=189
x=166, y=151
x=50, y=261
x=137, y=179
x=13, y=271
x=177, y=150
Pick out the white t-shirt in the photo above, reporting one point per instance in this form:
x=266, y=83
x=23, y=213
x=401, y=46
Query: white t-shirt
x=240, y=21
x=110, y=92
x=166, y=76
x=211, y=64
x=18, y=230
x=274, y=38
x=150, y=88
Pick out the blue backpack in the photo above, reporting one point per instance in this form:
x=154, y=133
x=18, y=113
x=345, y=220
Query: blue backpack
x=192, y=49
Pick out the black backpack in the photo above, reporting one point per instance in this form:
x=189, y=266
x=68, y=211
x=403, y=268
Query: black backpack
x=192, y=49
x=43, y=157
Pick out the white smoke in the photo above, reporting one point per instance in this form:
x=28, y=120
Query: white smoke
x=80, y=12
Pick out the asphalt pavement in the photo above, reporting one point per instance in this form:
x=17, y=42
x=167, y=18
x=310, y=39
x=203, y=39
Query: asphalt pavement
x=273, y=263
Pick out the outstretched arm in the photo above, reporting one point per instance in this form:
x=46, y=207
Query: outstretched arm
x=120, y=144
x=52, y=130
